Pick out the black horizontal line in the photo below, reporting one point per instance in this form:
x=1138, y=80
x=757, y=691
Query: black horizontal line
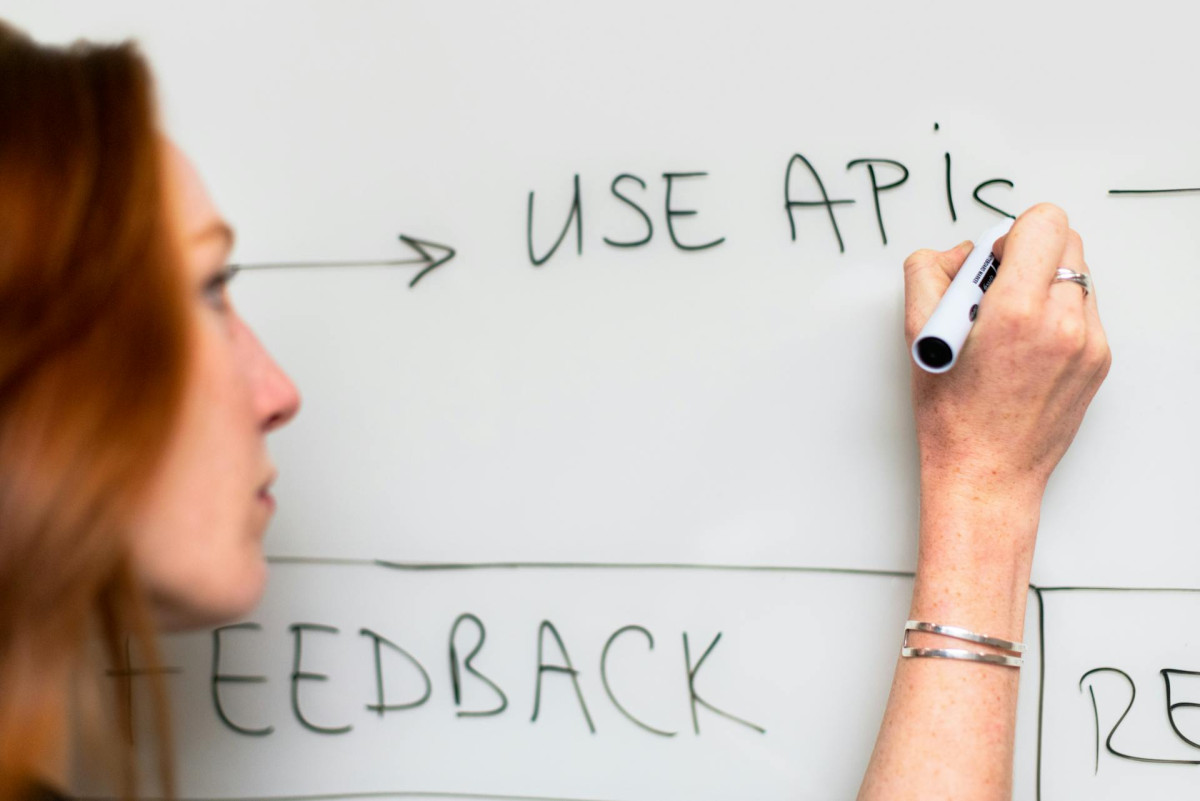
x=1119, y=589
x=280, y=265
x=373, y=794
x=1153, y=191
x=448, y=566
x=320, y=560
x=698, y=566
x=641, y=566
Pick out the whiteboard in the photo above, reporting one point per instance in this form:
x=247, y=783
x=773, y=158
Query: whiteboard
x=699, y=442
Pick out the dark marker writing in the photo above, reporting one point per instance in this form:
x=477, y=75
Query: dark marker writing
x=427, y=259
x=127, y=672
x=575, y=214
x=432, y=255
x=789, y=204
x=460, y=668
x=1096, y=720
x=568, y=669
x=645, y=217
x=1179, y=190
x=695, y=697
x=219, y=678
x=950, y=192
x=876, y=188
x=299, y=675
x=1171, y=707
x=1108, y=741
x=949, y=189
x=456, y=679
x=672, y=213
x=430, y=260
x=378, y=640
x=608, y=689
x=987, y=205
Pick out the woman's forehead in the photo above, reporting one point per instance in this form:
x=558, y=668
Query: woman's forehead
x=196, y=211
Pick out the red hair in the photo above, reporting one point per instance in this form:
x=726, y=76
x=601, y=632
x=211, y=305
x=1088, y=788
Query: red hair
x=93, y=334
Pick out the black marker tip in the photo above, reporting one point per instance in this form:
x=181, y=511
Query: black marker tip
x=934, y=352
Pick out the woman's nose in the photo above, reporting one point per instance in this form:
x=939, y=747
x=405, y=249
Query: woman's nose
x=282, y=399
x=276, y=399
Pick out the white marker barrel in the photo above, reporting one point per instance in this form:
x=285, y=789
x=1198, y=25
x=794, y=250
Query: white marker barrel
x=936, y=348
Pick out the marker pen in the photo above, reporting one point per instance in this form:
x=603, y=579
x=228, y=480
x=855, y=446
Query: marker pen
x=936, y=347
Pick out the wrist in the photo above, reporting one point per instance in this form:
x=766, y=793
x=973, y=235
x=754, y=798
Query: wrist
x=979, y=475
x=975, y=557
x=993, y=605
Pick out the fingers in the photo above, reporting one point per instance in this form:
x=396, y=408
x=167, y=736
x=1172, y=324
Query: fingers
x=1073, y=260
x=998, y=247
x=1090, y=310
x=1067, y=297
x=1029, y=254
x=1075, y=315
x=1096, y=356
x=1071, y=316
x=1063, y=313
x=927, y=273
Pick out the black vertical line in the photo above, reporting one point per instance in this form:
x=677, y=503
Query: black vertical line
x=1096, y=717
x=950, y=192
x=1041, y=686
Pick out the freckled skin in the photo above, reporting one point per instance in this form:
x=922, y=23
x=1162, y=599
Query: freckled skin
x=197, y=541
x=990, y=432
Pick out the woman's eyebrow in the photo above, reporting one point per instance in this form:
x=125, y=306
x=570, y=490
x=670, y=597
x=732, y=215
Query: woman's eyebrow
x=219, y=229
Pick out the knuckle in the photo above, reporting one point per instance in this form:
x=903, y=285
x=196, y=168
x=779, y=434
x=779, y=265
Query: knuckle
x=1100, y=368
x=1049, y=214
x=1070, y=336
x=919, y=259
x=1074, y=240
x=911, y=329
x=1098, y=354
x=1016, y=315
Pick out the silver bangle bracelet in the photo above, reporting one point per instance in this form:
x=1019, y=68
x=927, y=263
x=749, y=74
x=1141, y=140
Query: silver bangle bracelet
x=963, y=634
x=969, y=656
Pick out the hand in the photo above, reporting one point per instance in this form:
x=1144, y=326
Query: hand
x=991, y=431
x=998, y=422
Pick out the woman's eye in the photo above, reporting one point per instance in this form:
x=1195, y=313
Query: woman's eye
x=215, y=289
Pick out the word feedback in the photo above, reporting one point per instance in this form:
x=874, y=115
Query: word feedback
x=467, y=636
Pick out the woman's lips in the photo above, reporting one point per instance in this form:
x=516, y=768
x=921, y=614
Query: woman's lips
x=265, y=496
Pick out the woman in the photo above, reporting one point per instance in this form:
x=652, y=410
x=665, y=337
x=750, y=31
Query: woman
x=134, y=403
x=134, y=485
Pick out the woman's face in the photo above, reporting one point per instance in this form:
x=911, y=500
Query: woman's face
x=198, y=540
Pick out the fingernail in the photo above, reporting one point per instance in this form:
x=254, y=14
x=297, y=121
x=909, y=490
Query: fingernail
x=966, y=243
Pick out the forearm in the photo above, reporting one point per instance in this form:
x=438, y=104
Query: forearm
x=949, y=725
x=990, y=433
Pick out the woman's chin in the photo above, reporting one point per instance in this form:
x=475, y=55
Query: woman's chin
x=201, y=605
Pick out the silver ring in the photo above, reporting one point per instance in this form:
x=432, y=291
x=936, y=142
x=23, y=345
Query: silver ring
x=1083, y=279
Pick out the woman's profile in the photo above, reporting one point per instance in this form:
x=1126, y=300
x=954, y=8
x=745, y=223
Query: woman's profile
x=134, y=402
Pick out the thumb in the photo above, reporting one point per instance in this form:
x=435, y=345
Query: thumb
x=927, y=273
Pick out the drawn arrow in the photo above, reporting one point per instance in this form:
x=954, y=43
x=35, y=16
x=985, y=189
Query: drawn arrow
x=431, y=255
